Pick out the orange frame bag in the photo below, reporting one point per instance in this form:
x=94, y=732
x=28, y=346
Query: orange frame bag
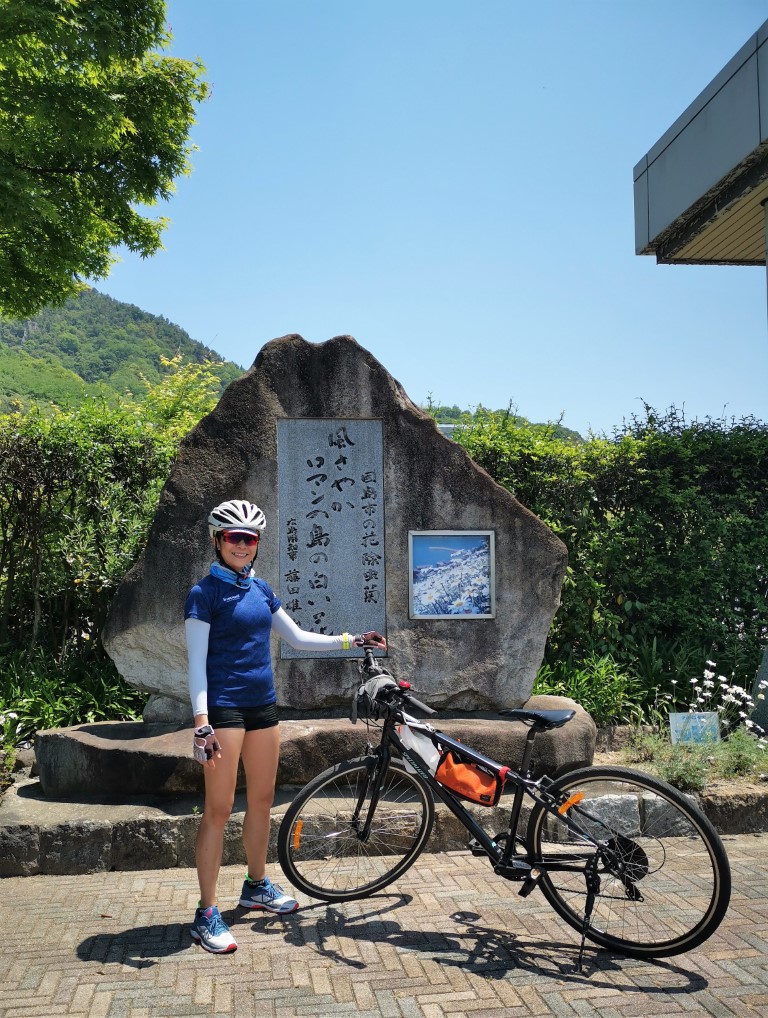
x=471, y=781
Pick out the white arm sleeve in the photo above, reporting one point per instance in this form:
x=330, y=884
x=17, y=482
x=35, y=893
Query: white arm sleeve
x=300, y=639
x=197, y=653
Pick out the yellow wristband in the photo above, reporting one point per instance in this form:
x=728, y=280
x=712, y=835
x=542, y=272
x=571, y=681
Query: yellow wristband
x=346, y=641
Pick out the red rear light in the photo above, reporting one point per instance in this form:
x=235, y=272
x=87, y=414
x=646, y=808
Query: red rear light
x=403, y=684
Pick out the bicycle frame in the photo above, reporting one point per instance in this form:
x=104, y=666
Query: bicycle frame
x=507, y=862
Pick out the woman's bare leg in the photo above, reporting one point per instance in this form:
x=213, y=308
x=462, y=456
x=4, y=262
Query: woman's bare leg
x=220, y=782
x=261, y=750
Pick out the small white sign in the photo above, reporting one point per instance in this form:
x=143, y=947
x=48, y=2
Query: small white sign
x=695, y=727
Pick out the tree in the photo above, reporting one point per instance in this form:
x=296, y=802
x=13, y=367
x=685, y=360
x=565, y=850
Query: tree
x=93, y=121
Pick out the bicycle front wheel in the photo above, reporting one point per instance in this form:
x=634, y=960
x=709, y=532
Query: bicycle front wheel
x=354, y=829
x=661, y=876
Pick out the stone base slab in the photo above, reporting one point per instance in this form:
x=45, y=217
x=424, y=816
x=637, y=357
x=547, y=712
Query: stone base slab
x=123, y=759
x=40, y=836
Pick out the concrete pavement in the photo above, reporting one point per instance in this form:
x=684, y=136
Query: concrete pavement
x=449, y=939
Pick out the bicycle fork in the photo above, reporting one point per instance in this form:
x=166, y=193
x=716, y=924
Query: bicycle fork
x=373, y=784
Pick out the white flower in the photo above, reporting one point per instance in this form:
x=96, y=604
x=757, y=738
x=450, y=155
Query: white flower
x=749, y=724
x=761, y=696
x=711, y=664
x=708, y=674
x=695, y=682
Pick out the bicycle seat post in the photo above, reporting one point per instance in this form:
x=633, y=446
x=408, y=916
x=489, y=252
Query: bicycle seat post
x=517, y=802
x=525, y=763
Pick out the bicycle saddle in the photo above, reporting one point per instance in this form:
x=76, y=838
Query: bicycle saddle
x=543, y=719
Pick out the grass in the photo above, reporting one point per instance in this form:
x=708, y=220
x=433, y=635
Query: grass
x=693, y=767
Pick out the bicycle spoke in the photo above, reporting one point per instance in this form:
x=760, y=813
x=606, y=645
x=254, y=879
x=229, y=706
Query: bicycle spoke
x=323, y=842
x=663, y=874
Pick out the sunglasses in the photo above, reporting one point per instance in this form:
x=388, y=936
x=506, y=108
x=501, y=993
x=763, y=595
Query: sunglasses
x=249, y=540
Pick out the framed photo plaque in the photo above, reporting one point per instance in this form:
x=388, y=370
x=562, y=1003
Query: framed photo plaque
x=451, y=574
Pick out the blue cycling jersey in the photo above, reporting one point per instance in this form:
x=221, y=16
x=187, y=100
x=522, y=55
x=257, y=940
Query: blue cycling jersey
x=239, y=664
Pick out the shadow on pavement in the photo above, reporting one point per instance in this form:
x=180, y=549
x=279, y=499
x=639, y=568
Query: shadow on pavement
x=477, y=949
x=139, y=947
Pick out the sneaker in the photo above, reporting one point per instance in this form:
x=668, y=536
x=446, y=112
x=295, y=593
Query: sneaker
x=211, y=932
x=264, y=894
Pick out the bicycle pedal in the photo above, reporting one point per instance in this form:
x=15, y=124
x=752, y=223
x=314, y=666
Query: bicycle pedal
x=529, y=883
x=515, y=869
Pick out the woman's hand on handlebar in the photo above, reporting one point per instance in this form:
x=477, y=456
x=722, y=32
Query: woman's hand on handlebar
x=371, y=639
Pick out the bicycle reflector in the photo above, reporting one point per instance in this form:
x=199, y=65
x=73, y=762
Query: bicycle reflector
x=297, y=834
x=573, y=800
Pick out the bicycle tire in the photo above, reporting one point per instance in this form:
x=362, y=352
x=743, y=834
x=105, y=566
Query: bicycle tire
x=672, y=854
x=319, y=849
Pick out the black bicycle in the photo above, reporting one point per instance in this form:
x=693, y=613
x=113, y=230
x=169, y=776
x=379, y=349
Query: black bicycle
x=624, y=858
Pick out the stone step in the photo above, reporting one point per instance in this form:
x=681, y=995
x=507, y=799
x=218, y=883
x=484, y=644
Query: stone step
x=39, y=835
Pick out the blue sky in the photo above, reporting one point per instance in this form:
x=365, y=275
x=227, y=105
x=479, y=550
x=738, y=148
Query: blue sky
x=450, y=182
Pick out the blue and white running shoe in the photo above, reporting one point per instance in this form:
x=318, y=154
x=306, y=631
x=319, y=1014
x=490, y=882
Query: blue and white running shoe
x=264, y=894
x=211, y=932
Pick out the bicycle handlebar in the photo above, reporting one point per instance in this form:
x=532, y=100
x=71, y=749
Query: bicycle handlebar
x=381, y=688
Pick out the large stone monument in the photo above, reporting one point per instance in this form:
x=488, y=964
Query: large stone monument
x=374, y=520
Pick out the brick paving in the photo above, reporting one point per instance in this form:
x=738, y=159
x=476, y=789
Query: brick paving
x=449, y=940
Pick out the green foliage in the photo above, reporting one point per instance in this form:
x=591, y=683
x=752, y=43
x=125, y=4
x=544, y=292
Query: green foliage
x=684, y=766
x=36, y=692
x=454, y=415
x=93, y=122
x=740, y=755
x=93, y=345
x=691, y=767
x=78, y=491
x=666, y=525
x=599, y=685
x=24, y=379
x=182, y=397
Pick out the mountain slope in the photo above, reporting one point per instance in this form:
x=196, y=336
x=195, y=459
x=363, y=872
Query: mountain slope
x=92, y=343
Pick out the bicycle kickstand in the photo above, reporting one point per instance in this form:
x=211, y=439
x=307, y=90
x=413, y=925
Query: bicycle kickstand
x=593, y=886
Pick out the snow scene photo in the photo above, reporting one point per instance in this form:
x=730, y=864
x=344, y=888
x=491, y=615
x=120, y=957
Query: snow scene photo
x=452, y=574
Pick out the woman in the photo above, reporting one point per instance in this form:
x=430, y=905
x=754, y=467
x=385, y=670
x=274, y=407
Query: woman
x=228, y=616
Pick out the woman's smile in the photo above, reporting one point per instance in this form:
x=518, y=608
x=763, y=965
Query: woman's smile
x=236, y=556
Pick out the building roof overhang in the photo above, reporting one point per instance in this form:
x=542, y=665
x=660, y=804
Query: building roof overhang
x=699, y=191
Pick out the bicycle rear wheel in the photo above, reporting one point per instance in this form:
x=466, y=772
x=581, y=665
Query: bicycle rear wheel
x=663, y=874
x=322, y=843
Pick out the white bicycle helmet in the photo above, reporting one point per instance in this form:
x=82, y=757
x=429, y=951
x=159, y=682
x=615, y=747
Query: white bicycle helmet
x=236, y=515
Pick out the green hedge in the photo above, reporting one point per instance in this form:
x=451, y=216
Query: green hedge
x=666, y=524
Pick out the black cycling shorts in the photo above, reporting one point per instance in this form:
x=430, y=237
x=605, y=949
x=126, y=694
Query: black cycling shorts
x=252, y=719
